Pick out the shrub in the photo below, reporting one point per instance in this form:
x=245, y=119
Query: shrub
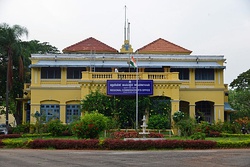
x=122, y=135
x=158, y=122
x=22, y=128
x=116, y=144
x=155, y=135
x=65, y=144
x=186, y=126
x=198, y=136
x=12, y=143
x=90, y=126
x=230, y=144
x=178, y=116
x=214, y=134
x=55, y=127
x=1, y=144
x=10, y=136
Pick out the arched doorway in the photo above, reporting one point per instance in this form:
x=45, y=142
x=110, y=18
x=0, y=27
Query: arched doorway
x=184, y=107
x=204, y=111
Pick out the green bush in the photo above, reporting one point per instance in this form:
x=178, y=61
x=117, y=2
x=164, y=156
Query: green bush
x=230, y=144
x=198, y=136
x=22, y=128
x=90, y=126
x=186, y=126
x=55, y=127
x=178, y=116
x=158, y=122
x=12, y=143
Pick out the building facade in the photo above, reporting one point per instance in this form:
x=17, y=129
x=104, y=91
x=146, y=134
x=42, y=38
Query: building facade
x=194, y=83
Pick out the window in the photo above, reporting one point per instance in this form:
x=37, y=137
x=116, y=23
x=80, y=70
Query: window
x=204, y=109
x=123, y=69
x=50, y=73
x=98, y=69
x=50, y=112
x=153, y=70
x=204, y=74
x=72, y=113
x=75, y=72
x=183, y=73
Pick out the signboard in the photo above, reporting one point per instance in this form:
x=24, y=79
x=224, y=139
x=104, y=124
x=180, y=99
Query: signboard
x=128, y=87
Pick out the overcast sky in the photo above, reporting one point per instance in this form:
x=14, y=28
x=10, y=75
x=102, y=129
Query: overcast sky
x=207, y=27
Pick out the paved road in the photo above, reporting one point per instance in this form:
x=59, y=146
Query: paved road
x=83, y=158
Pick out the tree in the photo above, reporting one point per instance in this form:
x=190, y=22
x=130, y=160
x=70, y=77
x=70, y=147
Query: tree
x=14, y=56
x=10, y=39
x=97, y=101
x=239, y=96
x=35, y=46
x=119, y=108
x=242, y=82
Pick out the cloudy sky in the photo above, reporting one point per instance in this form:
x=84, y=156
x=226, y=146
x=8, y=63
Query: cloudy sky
x=207, y=27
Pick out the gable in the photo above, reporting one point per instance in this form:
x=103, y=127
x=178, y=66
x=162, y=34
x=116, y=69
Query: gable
x=89, y=45
x=161, y=46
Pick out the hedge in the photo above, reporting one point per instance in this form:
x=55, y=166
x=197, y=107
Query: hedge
x=10, y=136
x=117, y=144
x=64, y=144
x=235, y=144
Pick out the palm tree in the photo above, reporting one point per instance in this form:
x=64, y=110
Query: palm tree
x=10, y=40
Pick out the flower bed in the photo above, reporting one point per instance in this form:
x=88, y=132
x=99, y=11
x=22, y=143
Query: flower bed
x=117, y=144
x=122, y=135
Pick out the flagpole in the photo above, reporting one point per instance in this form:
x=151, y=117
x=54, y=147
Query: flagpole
x=136, y=117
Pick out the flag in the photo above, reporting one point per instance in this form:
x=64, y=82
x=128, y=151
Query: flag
x=133, y=62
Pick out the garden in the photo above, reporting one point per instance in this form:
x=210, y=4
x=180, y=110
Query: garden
x=95, y=131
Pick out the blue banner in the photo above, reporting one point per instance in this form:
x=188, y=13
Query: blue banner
x=128, y=87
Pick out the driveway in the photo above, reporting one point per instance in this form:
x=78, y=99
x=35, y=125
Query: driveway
x=93, y=158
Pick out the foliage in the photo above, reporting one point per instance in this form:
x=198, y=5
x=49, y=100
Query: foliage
x=178, y=116
x=239, y=136
x=90, y=126
x=186, y=126
x=160, y=105
x=122, y=135
x=55, y=127
x=14, y=63
x=35, y=46
x=116, y=144
x=158, y=122
x=231, y=144
x=22, y=128
x=11, y=65
x=198, y=136
x=239, y=96
x=10, y=143
x=121, y=109
x=10, y=136
x=214, y=134
x=97, y=101
x=242, y=81
x=64, y=144
x=245, y=121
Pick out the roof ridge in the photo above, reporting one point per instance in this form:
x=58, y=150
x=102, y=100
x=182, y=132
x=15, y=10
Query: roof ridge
x=90, y=38
x=175, y=44
x=77, y=43
x=159, y=39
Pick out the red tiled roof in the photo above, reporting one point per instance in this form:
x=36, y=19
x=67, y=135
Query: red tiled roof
x=89, y=45
x=162, y=46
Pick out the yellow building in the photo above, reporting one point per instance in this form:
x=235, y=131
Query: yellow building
x=194, y=83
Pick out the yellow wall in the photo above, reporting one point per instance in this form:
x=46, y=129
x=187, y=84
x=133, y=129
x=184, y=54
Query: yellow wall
x=63, y=91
